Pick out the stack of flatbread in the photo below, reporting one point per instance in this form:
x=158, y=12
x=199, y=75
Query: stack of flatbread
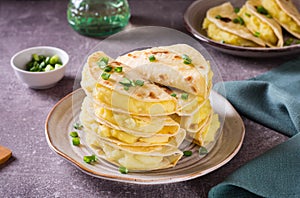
x=257, y=24
x=140, y=107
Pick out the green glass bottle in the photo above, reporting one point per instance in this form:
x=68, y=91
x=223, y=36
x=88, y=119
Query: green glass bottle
x=98, y=17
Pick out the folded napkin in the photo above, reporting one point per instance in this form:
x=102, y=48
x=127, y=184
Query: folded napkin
x=272, y=99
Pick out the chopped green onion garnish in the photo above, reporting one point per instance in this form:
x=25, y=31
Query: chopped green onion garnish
x=187, y=153
x=248, y=15
x=173, y=94
x=256, y=34
x=288, y=42
x=102, y=63
x=54, y=59
x=77, y=126
x=125, y=82
x=119, y=69
x=73, y=134
x=218, y=17
x=123, y=170
x=90, y=159
x=107, y=68
x=35, y=57
x=297, y=42
x=105, y=76
x=202, y=151
x=236, y=10
x=222, y=41
x=184, y=96
x=260, y=9
x=152, y=58
x=186, y=59
x=239, y=20
x=126, y=88
x=139, y=82
x=76, y=141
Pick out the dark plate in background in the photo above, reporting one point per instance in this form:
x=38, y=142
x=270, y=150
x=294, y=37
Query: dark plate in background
x=195, y=15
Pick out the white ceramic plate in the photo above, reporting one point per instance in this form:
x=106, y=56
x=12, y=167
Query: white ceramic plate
x=65, y=113
x=195, y=15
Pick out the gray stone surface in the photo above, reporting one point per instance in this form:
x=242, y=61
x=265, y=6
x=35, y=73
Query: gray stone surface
x=35, y=170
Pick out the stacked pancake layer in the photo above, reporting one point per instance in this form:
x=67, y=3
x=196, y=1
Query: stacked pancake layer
x=138, y=111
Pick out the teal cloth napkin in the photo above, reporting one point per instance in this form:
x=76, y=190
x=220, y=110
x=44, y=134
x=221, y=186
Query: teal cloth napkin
x=272, y=99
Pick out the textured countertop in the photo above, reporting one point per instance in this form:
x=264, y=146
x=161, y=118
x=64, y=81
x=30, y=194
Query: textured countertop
x=35, y=170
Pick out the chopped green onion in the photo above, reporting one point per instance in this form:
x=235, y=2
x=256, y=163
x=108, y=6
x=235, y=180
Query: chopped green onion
x=202, y=150
x=105, y=76
x=173, y=94
x=49, y=68
x=152, y=58
x=222, y=41
x=73, y=134
x=248, y=15
x=184, y=96
x=126, y=82
x=77, y=126
x=187, y=153
x=123, y=170
x=54, y=59
x=260, y=9
x=35, y=57
x=90, y=159
x=107, y=68
x=126, y=88
x=102, y=63
x=236, y=10
x=186, y=59
x=256, y=34
x=297, y=42
x=139, y=82
x=288, y=42
x=218, y=17
x=118, y=69
x=76, y=141
x=239, y=20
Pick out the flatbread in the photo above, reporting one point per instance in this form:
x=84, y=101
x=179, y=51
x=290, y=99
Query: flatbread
x=269, y=30
x=242, y=35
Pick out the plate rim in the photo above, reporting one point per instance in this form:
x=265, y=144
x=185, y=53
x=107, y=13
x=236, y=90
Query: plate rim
x=122, y=178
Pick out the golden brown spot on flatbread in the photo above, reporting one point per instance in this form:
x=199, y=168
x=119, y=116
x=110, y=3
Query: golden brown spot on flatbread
x=167, y=90
x=153, y=95
x=115, y=63
x=202, y=67
x=106, y=82
x=160, y=52
x=141, y=94
x=129, y=55
x=189, y=79
x=163, y=76
x=194, y=89
x=193, y=126
x=177, y=57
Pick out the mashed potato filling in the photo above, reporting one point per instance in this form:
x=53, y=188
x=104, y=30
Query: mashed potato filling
x=280, y=15
x=255, y=24
x=131, y=105
x=207, y=134
x=133, y=160
x=143, y=124
x=220, y=35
